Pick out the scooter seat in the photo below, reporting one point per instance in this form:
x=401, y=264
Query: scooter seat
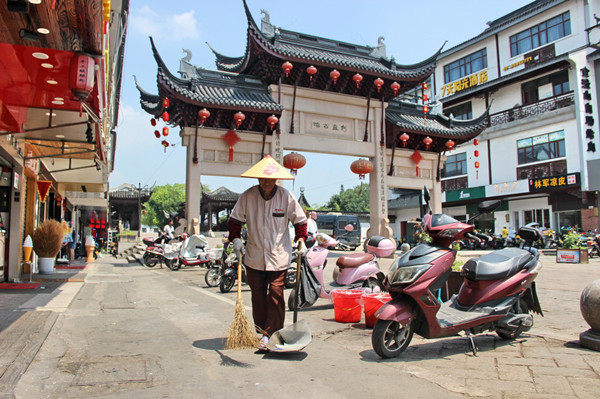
x=496, y=265
x=353, y=260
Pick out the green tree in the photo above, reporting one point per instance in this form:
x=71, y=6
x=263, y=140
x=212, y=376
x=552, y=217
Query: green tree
x=355, y=199
x=167, y=198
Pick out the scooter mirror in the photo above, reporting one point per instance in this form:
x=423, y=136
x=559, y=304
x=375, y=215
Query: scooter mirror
x=488, y=206
x=426, y=195
x=349, y=228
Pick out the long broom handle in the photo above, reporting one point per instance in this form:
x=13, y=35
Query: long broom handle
x=239, y=275
x=297, y=287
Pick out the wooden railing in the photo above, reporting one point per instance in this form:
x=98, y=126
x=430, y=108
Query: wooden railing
x=526, y=111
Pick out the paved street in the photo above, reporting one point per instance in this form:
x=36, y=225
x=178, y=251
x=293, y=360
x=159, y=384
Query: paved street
x=122, y=330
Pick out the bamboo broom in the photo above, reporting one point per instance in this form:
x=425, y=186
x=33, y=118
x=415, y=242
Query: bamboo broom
x=242, y=334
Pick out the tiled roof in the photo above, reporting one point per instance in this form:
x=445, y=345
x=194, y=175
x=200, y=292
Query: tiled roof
x=409, y=117
x=296, y=46
x=221, y=194
x=214, y=88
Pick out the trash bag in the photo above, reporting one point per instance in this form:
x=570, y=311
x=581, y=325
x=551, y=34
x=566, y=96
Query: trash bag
x=309, y=286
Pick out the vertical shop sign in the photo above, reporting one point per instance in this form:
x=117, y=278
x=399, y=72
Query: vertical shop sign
x=590, y=134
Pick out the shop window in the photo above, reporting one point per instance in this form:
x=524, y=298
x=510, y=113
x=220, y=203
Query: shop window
x=539, y=216
x=539, y=35
x=462, y=112
x=550, y=86
x=541, y=148
x=465, y=66
x=546, y=169
x=455, y=165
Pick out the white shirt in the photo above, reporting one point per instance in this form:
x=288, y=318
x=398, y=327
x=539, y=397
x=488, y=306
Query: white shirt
x=169, y=230
x=269, y=245
x=311, y=227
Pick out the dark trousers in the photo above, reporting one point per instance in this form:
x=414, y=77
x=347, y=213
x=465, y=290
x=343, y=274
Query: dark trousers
x=268, y=303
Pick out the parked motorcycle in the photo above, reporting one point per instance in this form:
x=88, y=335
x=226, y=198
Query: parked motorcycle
x=593, y=245
x=355, y=270
x=193, y=251
x=498, y=291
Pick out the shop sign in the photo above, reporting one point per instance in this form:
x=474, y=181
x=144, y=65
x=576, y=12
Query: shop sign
x=554, y=182
x=464, y=83
x=567, y=256
x=465, y=194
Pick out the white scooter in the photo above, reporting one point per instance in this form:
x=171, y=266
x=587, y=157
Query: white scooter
x=356, y=270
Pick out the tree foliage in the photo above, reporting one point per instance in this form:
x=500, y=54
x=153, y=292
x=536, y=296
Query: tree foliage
x=354, y=199
x=167, y=198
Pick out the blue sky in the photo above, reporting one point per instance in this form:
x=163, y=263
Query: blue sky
x=413, y=31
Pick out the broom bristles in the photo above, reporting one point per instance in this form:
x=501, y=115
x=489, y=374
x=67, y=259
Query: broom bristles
x=242, y=334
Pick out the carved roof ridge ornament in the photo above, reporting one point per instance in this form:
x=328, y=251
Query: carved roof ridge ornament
x=323, y=52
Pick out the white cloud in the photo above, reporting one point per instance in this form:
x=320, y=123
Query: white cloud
x=165, y=27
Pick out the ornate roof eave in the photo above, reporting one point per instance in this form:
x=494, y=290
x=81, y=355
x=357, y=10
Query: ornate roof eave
x=221, y=194
x=149, y=102
x=357, y=61
x=402, y=117
x=222, y=93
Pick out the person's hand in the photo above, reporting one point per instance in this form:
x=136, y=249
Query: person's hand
x=238, y=246
x=301, y=249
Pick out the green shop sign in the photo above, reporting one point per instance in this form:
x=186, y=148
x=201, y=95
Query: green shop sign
x=465, y=194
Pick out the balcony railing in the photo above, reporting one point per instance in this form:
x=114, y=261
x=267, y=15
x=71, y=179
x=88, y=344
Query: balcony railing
x=526, y=111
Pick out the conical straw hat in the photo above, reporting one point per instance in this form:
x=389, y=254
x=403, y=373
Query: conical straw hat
x=268, y=168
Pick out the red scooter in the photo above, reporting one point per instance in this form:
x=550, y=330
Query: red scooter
x=498, y=292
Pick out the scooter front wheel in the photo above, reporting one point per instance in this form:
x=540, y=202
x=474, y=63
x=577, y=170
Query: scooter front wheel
x=226, y=283
x=390, y=339
x=212, y=278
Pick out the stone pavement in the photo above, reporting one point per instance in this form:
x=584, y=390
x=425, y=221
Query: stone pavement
x=122, y=330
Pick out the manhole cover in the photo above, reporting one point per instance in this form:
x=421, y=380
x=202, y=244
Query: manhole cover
x=113, y=370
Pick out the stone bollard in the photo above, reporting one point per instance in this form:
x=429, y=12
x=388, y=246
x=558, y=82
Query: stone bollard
x=590, y=310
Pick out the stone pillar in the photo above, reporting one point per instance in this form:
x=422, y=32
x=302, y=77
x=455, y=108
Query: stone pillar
x=377, y=182
x=192, y=182
x=589, y=305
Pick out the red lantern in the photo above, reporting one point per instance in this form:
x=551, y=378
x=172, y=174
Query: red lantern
x=165, y=144
x=272, y=121
x=231, y=138
x=416, y=157
x=287, y=67
x=294, y=161
x=157, y=134
x=239, y=118
x=361, y=167
x=427, y=140
x=311, y=70
x=166, y=103
x=203, y=114
x=476, y=153
x=424, y=85
x=334, y=75
x=425, y=109
x=153, y=122
x=404, y=138
x=81, y=76
x=425, y=98
x=475, y=142
x=378, y=83
x=476, y=164
x=165, y=116
x=395, y=87
x=165, y=131
x=450, y=145
x=357, y=79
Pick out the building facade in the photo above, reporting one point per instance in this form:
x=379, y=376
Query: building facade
x=535, y=70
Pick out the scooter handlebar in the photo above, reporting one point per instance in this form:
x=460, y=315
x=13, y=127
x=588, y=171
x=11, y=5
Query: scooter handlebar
x=473, y=236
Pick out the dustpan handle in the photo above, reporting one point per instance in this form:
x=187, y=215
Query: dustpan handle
x=297, y=291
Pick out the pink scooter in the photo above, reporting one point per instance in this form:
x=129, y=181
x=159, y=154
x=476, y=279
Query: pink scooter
x=356, y=269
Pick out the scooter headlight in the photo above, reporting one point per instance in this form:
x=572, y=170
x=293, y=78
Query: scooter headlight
x=405, y=274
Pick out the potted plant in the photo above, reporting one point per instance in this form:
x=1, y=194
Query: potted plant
x=571, y=250
x=47, y=239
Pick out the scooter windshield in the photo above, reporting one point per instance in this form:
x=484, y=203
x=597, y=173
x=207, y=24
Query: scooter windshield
x=439, y=219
